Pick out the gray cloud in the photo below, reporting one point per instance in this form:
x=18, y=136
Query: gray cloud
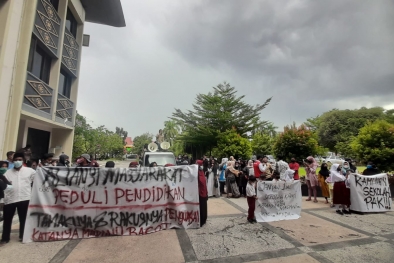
x=310, y=55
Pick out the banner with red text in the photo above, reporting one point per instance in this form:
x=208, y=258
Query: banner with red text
x=278, y=200
x=72, y=203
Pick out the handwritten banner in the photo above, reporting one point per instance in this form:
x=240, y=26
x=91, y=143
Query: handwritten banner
x=370, y=193
x=72, y=203
x=278, y=201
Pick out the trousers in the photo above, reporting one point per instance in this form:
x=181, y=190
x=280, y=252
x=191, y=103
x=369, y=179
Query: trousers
x=9, y=212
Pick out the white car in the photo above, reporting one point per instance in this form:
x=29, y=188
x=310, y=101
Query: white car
x=334, y=159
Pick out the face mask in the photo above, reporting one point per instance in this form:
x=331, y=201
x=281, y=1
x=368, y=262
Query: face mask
x=293, y=161
x=346, y=166
x=18, y=164
x=3, y=170
x=339, y=169
x=369, y=166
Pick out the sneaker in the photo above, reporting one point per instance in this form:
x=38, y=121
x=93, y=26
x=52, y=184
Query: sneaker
x=339, y=212
x=346, y=211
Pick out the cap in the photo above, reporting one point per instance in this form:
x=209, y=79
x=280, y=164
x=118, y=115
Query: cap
x=86, y=156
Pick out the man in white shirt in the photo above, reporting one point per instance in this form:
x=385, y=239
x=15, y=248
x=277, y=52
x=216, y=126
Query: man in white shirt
x=281, y=167
x=16, y=196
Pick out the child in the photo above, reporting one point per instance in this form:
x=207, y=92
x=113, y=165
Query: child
x=251, y=198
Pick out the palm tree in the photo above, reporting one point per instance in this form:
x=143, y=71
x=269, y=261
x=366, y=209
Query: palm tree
x=171, y=130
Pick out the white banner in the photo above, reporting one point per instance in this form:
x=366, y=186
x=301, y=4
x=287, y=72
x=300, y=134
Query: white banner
x=370, y=193
x=278, y=201
x=72, y=203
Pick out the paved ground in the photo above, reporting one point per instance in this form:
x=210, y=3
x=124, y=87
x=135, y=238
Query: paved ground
x=319, y=235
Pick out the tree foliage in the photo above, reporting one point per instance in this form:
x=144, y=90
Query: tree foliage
x=171, y=131
x=339, y=126
x=262, y=143
x=231, y=143
x=298, y=142
x=140, y=141
x=122, y=133
x=375, y=142
x=99, y=142
x=215, y=113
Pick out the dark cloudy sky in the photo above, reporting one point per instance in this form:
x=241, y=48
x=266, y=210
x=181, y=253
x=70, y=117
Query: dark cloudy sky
x=310, y=56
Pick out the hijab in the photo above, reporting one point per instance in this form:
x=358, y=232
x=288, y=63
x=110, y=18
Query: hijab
x=231, y=168
x=324, y=171
x=335, y=175
x=289, y=175
x=313, y=164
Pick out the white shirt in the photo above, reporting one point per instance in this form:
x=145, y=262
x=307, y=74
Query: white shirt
x=21, y=185
x=282, y=168
x=250, y=190
x=262, y=167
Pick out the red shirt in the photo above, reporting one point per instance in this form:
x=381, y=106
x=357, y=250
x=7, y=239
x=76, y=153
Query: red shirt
x=256, y=169
x=295, y=166
x=202, y=184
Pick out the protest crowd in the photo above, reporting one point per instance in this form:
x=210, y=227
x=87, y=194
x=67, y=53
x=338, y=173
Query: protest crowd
x=229, y=178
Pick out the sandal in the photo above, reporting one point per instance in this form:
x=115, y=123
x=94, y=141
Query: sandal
x=315, y=201
x=308, y=199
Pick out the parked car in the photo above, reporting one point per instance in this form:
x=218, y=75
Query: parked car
x=334, y=159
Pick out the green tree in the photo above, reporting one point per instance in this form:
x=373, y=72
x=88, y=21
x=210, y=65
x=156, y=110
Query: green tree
x=262, y=143
x=230, y=143
x=121, y=132
x=215, y=113
x=338, y=126
x=375, y=142
x=296, y=142
x=171, y=131
x=140, y=141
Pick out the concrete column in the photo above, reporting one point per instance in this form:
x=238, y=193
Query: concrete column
x=12, y=22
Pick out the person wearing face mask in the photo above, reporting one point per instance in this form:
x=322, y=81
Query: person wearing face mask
x=324, y=173
x=345, y=168
x=341, y=191
x=64, y=160
x=47, y=160
x=16, y=196
x=371, y=169
x=202, y=193
x=295, y=167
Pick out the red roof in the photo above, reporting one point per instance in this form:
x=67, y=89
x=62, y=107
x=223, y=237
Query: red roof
x=128, y=141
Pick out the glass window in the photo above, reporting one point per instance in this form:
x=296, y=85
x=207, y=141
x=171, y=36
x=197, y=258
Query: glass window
x=71, y=23
x=55, y=4
x=39, y=63
x=65, y=84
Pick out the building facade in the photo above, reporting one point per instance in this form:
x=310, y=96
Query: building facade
x=40, y=55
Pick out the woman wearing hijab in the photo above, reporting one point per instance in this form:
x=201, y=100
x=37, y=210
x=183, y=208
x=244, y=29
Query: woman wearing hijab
x=222, y=177
x=345, y=168
x=202, y=193
x=324, y=173
x=311, y=179
x=341, y=192
x=64, y=160
x=213, y=184
x=232, y=173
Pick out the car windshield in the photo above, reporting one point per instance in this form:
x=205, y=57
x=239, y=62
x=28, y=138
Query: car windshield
x=160, y=159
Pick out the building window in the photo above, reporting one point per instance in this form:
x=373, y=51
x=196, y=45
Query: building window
x=65, y=84
x=71, y=23
x=55, y=4
x=39, y=63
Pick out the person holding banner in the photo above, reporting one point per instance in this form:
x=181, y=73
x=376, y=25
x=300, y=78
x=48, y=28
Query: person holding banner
x=341, y=192
x=203, y=193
